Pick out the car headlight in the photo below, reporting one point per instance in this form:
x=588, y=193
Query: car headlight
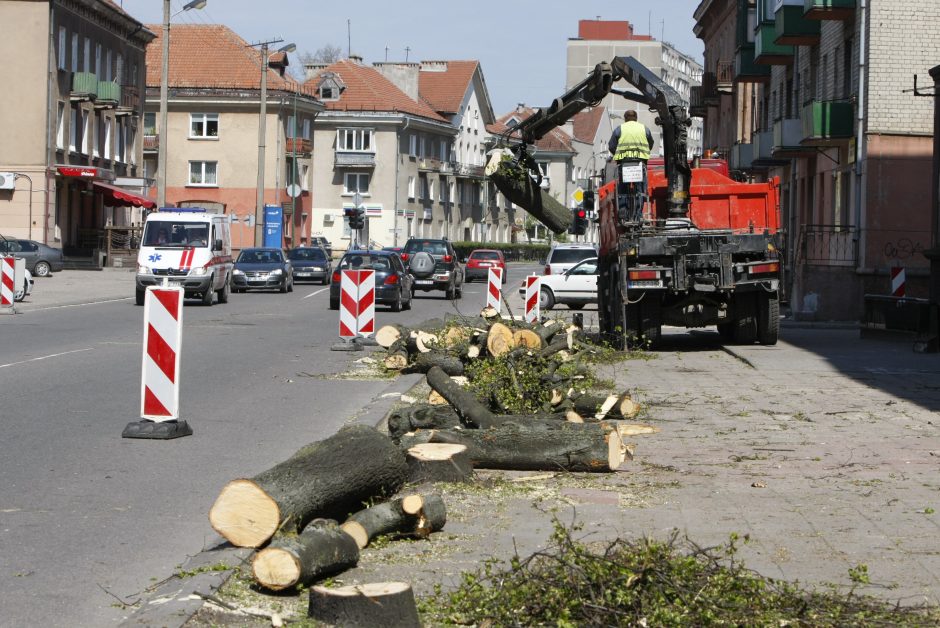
x=237, y=272
x=317, y=268
x=277, y=272
x=198, y=272
x=143, y=270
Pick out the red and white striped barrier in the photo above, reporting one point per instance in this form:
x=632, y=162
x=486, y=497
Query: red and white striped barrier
x=163, y=335
x=532, y=285
x=494, y=289
x=897, y=281
x=7, y=281
x=357, y=303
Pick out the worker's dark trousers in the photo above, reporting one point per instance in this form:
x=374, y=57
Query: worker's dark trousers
x=631, y=196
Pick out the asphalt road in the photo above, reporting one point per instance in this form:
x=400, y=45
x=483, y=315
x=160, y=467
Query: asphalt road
x=87, y=519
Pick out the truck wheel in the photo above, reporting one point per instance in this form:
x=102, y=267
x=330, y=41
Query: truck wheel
x=745, y=319
x=224, y=291
x=140, y=296
x=768, y=318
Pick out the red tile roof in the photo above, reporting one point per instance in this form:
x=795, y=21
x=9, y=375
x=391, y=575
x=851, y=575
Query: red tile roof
x=443, y=84
x=587, y=122
x=555, y=140
x=368, y=90
x=211, y=56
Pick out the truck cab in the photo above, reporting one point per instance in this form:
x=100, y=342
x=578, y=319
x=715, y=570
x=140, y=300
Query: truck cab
x=189, y=248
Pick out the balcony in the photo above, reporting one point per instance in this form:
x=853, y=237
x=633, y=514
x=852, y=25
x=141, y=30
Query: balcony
x=710, y=89
x=745, y=70
x=794, y=29
x=766, y=50
x=427, y=164
x=788, y=136
x=697, y=107
x=762, y=151
x=473, y=172
x=742, y=156
x=84, y=86
x=301, y=146
x=827, y=122
x=354, y=160
x=828, y=9
x=828, y=245
x=151, y=143
x=108, y=94
x=130, y=100
x=724, y=77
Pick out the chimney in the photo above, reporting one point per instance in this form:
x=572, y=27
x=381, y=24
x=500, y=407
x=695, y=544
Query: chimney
x=403, y=75
x=520, y=107
x=355, y=58
x=313, y=69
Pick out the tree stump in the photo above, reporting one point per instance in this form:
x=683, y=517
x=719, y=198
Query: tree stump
x=526, y=338
x=365, y=605
x=438, y=462
x=326, y=479
x=320, y=550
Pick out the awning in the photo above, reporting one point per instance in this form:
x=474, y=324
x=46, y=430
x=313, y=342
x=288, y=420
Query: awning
x=119, y=197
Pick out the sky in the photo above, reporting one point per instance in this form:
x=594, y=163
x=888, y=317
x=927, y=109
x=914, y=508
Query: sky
x=520, y=44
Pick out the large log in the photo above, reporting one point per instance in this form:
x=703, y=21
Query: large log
x=326, y=479
x=421, y=416
x=387, y=335
x=610, y=407
x=539, y=446
x=389, y=517
x=397, y=357
x=322, y=549
x=424, y=361
x=470, y=409
x=365, y=605
x=516, y=185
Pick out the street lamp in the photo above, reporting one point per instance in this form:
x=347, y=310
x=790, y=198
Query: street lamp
x=259, y=207
x=164, y=88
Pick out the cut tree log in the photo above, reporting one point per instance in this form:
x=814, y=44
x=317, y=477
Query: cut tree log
x=435, y=399
x=365, y=605
x=610, y=407
x=559, y=343
x=322, y=549
x=499, y=340
x=387, y=335
x=526, y=338
x=326, y=479
x=397, y=357
x=421, y=416
x=517, y=186
x=425, y=341
x=438, y=462
x=423, y=362
x=636, y=429
x=489, y=313
x=539, y=446
x=455, y=336
x=430, y=509
x=390, y=517
x=470, y=409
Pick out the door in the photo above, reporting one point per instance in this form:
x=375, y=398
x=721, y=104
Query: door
x=28, y=251
x=580, y=282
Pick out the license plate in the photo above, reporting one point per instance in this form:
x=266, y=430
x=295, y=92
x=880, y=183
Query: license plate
x=423, y=282
x=631, y=173
x=485, y=264
x=303, y=274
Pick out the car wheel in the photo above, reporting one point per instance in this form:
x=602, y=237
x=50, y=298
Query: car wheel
x=223, y=293
x=290, y=286
x=139, y=296
x=546, y=299
x=397, y=305
x=41, y=269
x=284, y=287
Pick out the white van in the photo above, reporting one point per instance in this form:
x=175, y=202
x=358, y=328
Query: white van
x=190, y=248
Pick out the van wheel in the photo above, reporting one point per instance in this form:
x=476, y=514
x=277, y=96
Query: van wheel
x=208, y=295
x=224, y=291
x=140, y=296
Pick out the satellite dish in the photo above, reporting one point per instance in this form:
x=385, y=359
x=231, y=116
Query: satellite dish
x=294, y=190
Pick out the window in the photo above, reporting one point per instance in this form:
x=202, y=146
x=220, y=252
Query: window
x=443, y=150
x=91, y=133
x=98, y=60
x=356, y=182
x=354, y=140
x=430, y=190
x=108, y=124
x=86, y=58
x=74, y=134
x=203, y=173
x=203, y=125
x=74, y=64
x=60, y=126
x=306, y=131
x=291, y=127
x=411, y=186
x=150, y=123
x=413, y=145
x=421, y=151
x=304, y=177
x=63, y=36
x=84, y=121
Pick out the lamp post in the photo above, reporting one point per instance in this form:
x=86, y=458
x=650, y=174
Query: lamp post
x=259, y=207
x=164, y=89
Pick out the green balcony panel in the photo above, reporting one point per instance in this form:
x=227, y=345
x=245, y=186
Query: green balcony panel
x=745, y=70
x=828, y=9
x=109, y=91
x=827, y=120
x=84, y=84
x=766, y=50
x=794, y=29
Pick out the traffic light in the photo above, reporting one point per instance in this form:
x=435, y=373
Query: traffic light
x=356, y=217
x=578, y=221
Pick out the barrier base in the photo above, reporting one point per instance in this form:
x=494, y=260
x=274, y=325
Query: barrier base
x=8, y=309
x=347, y=344
x=157, y=430
x=367, y=341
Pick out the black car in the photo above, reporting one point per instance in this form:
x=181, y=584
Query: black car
x=394, y=285
x=262, y=268
x=324, y=244
x=41, y=259
x=310, y=263
x=434, y=265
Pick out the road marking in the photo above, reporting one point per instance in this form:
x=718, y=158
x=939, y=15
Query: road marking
x=313, y=294
x=45, y=357
x=58, y=307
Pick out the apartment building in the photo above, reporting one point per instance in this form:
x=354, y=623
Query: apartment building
x=825, y=89
x=70, y=151
x=213, y=130
x=602, y=40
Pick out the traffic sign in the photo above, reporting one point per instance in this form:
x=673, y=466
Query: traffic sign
x=578, y=194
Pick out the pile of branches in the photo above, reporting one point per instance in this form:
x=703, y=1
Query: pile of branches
x=518, y=396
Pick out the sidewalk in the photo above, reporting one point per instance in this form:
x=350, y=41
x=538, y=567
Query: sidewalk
x=68, y=288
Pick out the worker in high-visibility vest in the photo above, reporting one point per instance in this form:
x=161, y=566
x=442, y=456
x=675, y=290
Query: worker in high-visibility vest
x=631, y=142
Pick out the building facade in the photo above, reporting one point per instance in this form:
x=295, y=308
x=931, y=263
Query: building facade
x=72, y=137
x=213, y=131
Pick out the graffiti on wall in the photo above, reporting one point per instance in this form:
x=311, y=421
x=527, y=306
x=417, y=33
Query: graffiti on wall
x=902, y=249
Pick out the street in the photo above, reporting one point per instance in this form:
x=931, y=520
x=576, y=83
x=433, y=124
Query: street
x=89, y=519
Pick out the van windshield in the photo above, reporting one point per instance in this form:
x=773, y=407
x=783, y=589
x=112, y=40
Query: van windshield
x=176, y=233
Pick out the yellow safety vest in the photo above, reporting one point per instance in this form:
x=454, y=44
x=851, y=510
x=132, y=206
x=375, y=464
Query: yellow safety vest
x=633, y=143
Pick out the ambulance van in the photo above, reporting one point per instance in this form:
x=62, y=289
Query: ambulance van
x=188, y=247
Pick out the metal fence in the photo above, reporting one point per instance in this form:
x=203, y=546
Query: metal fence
x=829, y=245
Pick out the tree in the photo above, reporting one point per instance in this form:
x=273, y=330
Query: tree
x=329, y=53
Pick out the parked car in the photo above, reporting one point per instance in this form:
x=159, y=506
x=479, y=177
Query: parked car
x=261, y=267
x=564, y=256
x=393, y=249
x=311, y=263
x=324, y=244
x=26, y=289
x=575, y=287
x=41, y=259
x=394, y=285
x=434, y=266
x=480, y=262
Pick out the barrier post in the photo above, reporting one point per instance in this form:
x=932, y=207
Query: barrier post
x=532, y=285
x=356, y=309
x=160, y=367
x=897, y=281
x=494, y=289
x=7, y=285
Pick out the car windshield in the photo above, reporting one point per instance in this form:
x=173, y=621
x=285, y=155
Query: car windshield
x=434, y=248
x=315, y=255
x=175, y=233
x=570, y=256
x=260, y=257
x=364, y=261
x=484, y=255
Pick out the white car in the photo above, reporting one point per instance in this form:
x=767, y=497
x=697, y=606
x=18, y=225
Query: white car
x=575, y=287
x=27, y=288
x=564, y=256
